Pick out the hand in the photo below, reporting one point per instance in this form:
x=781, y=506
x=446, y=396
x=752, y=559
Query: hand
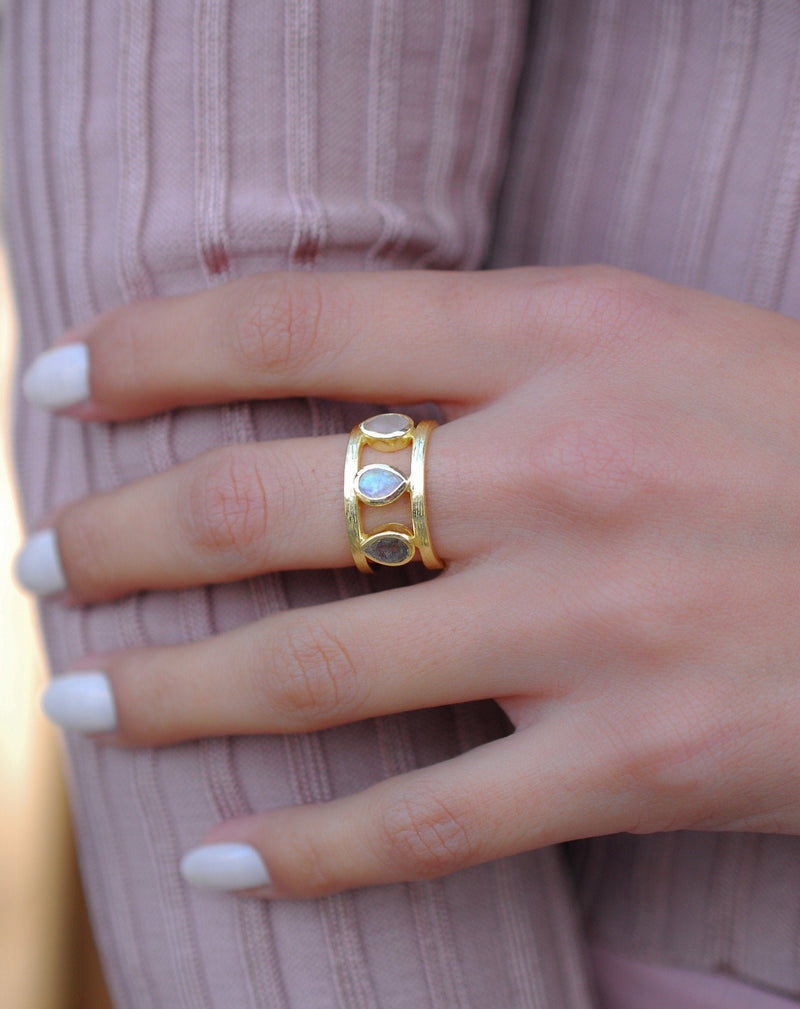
x=616, y=495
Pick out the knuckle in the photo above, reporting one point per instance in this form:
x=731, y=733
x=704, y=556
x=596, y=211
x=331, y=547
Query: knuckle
x=225, y=507
x=122, y=358
x=595, y=463
x=426, y=834
x=608, y=309
x=314, y=863
x=82, y=544
x=667, y=757
x=605, y=295
x=318, y=682
x=280, y=324
x=146, y=710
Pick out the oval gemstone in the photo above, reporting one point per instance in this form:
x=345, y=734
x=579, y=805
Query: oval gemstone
x=380, y=484
x=389, y=548
x=388, y=426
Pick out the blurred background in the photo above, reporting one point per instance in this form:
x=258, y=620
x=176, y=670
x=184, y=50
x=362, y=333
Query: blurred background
x=47, y=955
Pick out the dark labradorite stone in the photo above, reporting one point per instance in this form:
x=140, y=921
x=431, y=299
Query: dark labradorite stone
x=389, y=548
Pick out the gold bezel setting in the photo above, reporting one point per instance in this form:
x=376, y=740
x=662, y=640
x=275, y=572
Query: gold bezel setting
x=379, y=484
x=389, y=484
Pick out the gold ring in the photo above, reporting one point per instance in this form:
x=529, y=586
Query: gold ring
x=377, y=484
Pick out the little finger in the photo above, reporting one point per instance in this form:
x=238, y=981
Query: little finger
x=508, y=796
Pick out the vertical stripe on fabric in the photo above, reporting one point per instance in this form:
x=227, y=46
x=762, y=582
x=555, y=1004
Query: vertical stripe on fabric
x=526, y=973
x=49, y=294
x=635, y=188
x=654, y=875
x=720, y=923
x=135, y=281
x=72, y=160
x=742, y=899
x=33, y=427
x=721, y=124
x=565, y=930
x=17, y=216
x=386, y=39
x=490, y=128
x=129, y=969
x=301, y=52
x=780, y=215
x=114, y=921
x=561, y=226
x=536, y=104
x=211, y=47
x=439, y=177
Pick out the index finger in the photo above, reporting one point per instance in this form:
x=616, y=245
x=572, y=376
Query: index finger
x=400, y=337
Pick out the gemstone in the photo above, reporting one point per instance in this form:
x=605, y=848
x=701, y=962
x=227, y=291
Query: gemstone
x=387, y=426
x=380, y=484
x=389, y=548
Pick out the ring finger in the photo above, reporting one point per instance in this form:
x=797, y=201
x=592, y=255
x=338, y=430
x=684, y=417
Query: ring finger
x=231, y=513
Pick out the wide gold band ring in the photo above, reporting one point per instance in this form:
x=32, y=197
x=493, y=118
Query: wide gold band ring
x=392, y=544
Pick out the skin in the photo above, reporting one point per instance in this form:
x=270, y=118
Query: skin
x=616, y=494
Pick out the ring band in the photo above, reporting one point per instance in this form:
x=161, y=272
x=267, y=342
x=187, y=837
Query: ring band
x=378, y=484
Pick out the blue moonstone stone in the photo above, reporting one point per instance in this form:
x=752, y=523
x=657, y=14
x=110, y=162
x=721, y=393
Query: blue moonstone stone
x=379, y=484
x=389, y=548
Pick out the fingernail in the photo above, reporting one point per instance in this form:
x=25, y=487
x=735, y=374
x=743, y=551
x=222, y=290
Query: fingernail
x=59, y=377
x=38, y=565
x=82, y=702
x=229, y=866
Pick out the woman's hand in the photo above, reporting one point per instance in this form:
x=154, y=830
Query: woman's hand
x=617, y=498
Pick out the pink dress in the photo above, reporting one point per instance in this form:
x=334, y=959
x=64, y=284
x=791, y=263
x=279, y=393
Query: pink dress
x=161, y=146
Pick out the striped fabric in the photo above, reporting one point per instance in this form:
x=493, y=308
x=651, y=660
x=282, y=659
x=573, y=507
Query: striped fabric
x=155, y=147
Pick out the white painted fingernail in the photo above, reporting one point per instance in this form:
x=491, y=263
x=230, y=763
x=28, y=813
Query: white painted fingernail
x=82, y=702
x=58, y=378
x=228, y=866
x=38, y=566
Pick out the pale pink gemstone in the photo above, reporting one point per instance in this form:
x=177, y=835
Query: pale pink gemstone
x=388, y=425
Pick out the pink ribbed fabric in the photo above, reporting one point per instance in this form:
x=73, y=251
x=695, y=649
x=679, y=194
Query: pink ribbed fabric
x=161, y=146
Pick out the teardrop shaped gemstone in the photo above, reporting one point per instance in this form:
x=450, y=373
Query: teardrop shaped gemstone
x=387, y=427
x=389, y=548
x=379, y=484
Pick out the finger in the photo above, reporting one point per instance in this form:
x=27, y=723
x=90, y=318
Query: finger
x=408, y=648
x=228, y=514
x=234, y=513
x=507, y=796
x=401, y=337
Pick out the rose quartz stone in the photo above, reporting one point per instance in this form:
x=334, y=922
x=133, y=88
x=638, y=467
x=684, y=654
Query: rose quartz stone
x=388, y=425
